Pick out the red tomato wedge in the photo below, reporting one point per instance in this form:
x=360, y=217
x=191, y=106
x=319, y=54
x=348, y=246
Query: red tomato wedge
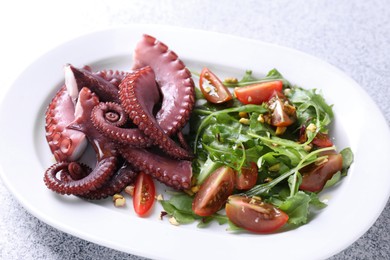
x=247, y=178
x=314, y=177
x=258, y=93
x=322, y=140
x=254, y=215
x=144, y=193
x=212, y=88
x=214, y=191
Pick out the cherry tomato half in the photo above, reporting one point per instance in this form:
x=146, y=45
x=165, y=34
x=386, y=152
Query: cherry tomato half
x=258, y=93
x=212, y=87
x=144, y=193
x=314, y=177
x=247, y=178
x=254, y=215
x=214, y=191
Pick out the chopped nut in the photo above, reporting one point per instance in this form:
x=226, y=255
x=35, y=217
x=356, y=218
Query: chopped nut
x=159, y=197
x=321, y=160
x=130, y=190
x=308, y=147
x=312, y=128
x=268, y=179
x=261, y=118
x=249, y=99
x=119, y=200
x=256, y=198
x=231, y=80
x=195, y=189
x=287, y=91
x=243, y=114
x=289, y=109
x=244, y=121
x=280, y=130
x=117, y=196
x=173, y=221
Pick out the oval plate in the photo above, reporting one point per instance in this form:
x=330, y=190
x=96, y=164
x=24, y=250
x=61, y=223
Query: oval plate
x=24, y=154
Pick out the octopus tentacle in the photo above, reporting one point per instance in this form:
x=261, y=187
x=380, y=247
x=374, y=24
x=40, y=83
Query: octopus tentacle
x=174, y=173
x=183, y=141
x=124, y=177
x=103, y=171
x=106, y=153
x=173, y=78
x=76, y=79
x=112, y=113
x=65, y=144
x=128, y=136
x=115, y=77
x=138, y=94
x=102, y=145
x=77, y=171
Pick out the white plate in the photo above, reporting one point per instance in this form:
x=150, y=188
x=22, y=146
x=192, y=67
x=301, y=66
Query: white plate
x=353, y=205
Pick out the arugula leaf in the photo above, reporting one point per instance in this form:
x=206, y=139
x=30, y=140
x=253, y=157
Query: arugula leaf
x=311, y=108
x=347, y=155
x=247, y=78
x=207, y=168
x=297, y=208
x=294, y=181
x=332, y=181
x=315, y=201
x=220, y=219
x=180, y=207
x=212, y=117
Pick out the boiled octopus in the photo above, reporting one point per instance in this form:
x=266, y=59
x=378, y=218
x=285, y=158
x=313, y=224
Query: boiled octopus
x=133, y=120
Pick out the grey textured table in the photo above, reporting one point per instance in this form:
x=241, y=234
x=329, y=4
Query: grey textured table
x=352, y=35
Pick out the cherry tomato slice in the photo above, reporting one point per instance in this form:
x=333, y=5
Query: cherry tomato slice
x=212, y=87
x=258, y=93
x=322, y=140
x=254, y=215
x=214, y=191
x=247, y=178
x=144, y=193
x=314, y=177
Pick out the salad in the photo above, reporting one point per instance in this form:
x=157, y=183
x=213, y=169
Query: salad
x=263, y=153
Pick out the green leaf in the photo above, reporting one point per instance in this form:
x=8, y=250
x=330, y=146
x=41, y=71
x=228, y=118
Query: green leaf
x=335, y=179
x=208, y=167
x=220, y=219
x=247, y=77
x=274, y=74
x=180, y=207
x=311, y=108
x=347, y=155
x=294, y=181
x=315, y=201
x=297, y=208
x=182, y=202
